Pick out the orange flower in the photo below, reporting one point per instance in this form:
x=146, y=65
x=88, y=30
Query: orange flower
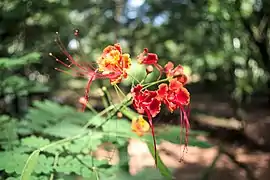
x=113, y=63
x=140, y=126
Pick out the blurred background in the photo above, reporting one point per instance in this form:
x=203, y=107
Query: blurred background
x=223, y=46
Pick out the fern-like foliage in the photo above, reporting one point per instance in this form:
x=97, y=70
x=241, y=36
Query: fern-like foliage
x=62, y=145
x=55, y=143
x=13, y=63
x=13, y=83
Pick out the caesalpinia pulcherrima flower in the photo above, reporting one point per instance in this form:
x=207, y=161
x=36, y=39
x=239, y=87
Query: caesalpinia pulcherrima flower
x=177, y=72
x=146, y=102
x=149, y=59
x=112, y=65
x=113, y=62
x=174, y=96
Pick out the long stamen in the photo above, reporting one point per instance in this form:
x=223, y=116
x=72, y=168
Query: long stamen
x=160, y=69
x=64, y=50
x=186, y=125
x=63, y=71
x=58, y=60
x=80, y=72
x=181, y=134
x=87, y=88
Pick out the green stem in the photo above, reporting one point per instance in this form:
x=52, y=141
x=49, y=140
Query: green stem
x=144, y=78
x=54, y=165
x=63, y=141
x=99, y=114
x=122, y=93
x=134, y=78
x=156, y=82
x=91, y=108
x=107, y=96
x=129, y=113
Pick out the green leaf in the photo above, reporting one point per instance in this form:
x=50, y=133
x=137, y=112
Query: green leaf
x=117, y=125
x=30, y=165
x=12, y=162
x=64, y=130
x=34, y=142
x=160, y=165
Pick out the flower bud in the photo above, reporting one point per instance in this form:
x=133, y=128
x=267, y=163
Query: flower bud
x=149, y=69
x=82, y=100
x=119, y=115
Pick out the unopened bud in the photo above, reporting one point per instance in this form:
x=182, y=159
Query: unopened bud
x=82, y=100
x=119, y=115
x=149, y=69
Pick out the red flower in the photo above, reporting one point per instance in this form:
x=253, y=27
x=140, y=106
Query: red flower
x=147, y=58
x=176, y=96
x=150, y=59
x=177, y=72
x=145, y=102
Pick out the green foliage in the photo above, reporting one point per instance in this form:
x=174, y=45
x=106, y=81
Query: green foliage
x=60, y=144
x=30, y=165
x=36, y=154
x=8, y=129
x=51, y=119
x=13, y=63
x=17, y=84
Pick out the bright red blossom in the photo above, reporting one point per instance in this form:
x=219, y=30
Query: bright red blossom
x=147, y=58
x=145, y=101
x=150, y=59
x=176, y=96
x=177, y=72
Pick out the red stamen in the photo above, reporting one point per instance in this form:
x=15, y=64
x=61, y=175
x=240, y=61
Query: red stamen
x=65, y=52
x=160, y=69
x=184, y=122
x=87, y=88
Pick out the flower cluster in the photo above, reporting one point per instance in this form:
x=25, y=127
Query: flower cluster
x=174, y=95
x=113, y=64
